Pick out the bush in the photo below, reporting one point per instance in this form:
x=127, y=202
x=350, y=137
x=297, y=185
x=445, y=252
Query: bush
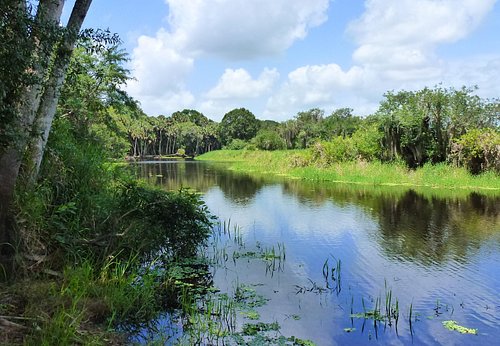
x=156, y=220
x=337, y=150
x=269, y=140
x=478, y=150
x=236, y=144
x=367, y=143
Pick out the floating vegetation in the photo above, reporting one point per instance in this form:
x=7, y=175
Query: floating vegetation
x=254, y=328
x=247, y=297
x=267, y=254
x=454, y=326
x=251, y=315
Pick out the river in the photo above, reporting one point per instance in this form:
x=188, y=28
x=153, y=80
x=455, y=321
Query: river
x=346, y=252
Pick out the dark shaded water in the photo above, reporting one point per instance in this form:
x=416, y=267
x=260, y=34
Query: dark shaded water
x=436, y=252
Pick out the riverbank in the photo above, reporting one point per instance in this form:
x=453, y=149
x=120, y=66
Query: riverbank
x=299, y=164
x=98, y=283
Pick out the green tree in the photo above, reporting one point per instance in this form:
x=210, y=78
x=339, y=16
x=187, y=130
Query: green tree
x=341, y=122
x=43, y=62
x=268, y=140
x=238, y=124
x=478, y=150
x=419, y=126
x=309, y=127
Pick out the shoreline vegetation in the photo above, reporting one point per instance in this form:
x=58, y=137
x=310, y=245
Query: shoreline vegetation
x=86, y=249
x=300, y=164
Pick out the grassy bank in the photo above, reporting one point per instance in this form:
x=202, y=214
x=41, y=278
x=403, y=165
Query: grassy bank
x=300, y=164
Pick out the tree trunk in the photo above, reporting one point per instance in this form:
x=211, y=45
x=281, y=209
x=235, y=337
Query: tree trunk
x=48, y=106
x=48, y=14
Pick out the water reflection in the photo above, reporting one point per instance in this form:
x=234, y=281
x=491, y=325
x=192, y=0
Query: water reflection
x=173, y=175
x=428, y=246
x=414, y=226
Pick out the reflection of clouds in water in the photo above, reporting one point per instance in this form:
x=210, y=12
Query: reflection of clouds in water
x=314, y=231
x=425, y=249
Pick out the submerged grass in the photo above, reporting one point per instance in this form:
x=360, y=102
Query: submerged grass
x=298, y=164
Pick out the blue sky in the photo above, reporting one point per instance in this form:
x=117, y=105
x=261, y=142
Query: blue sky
x=279, y=57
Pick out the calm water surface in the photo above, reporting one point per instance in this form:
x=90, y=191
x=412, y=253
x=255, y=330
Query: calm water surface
x=438, y=252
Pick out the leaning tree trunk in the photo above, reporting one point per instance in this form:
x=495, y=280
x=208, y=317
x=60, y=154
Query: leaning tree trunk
x=47, y=17
x=50, y=98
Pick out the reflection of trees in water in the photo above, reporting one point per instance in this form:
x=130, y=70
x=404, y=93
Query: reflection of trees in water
x=237, y=187
x=435, y=229
x=423, y=227
x=175, y=175
x=412, y=225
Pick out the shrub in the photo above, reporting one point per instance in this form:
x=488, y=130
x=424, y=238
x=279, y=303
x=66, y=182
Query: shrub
x=478, y=150
x=236, y=144
x=337, y=150
x=174, y=223
x=367, y=143
x=269, y=140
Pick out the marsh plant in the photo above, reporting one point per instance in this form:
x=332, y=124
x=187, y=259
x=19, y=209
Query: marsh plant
x=332, y=273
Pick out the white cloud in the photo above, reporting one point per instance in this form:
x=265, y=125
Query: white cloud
x=167, y=102
x=238, y=84
x=325, y=86
x=159, y=75
x=397, y=43
x=401, y=35
x=242, y=29
x=481, y=70
x=233, y=29
x=399, y=22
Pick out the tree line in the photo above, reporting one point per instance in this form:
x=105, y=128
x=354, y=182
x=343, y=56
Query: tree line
x=430, y=125
x=68, y=83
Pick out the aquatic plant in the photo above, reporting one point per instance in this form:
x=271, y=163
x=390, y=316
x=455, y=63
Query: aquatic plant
x=332, y=274
x=453, y=325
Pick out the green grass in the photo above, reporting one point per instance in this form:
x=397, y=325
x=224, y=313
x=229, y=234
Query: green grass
x=299, y=165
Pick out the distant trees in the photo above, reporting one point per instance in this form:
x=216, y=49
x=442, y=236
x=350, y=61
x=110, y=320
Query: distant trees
x=416, y=127
x=420, y=126
x=188, y=130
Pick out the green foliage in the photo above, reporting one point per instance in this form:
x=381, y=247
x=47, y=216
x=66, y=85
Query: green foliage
x=340, y=123
x=367, y=141
x=15, y=57
x=269, y=140
x=453, y=325
x=175, y=223
x=478, y=150
x=419, y=126
x=238, y=124
x=236, y=144
x=337, y=150
x=308, y=127
x=19, y=63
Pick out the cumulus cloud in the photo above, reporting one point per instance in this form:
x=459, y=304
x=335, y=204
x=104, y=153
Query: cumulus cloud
x=397, y=42
x=159, y=74
x=238, y=84
x=231, y=29
x=167, y=102
x=326, y=86
x=401, y=35
x=242, y=29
